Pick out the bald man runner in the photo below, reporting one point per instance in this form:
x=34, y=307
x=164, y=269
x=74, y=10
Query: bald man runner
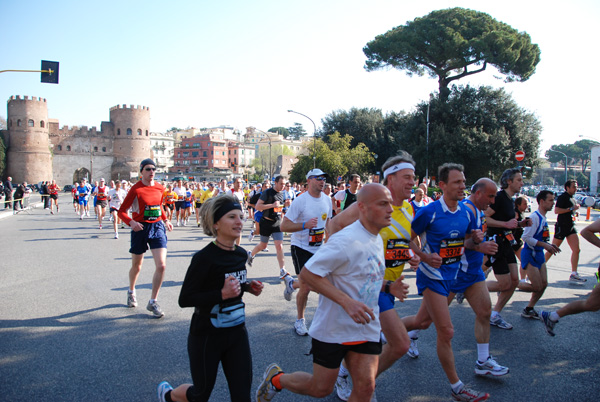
x=347, y=272
x=399, y=178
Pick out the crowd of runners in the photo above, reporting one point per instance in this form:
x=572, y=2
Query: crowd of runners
x=350, y=245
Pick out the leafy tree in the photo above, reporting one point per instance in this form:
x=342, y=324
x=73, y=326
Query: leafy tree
x=280, y=130
x=578, y=152
x=369, y=126
x=297, y=131
x=481, y=128
x=336, y=157
x=266, y=160
x=2, y=155
x=454, y=41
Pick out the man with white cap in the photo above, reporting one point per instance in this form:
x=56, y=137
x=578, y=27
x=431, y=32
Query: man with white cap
x=305, y=220
x=148, y=229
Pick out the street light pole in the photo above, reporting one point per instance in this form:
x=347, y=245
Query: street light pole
x=314, y=137
x=565, y=155
x=427, y=159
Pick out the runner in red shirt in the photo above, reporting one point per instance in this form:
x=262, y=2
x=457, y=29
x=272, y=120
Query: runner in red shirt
x=148, y=225
x=53, y=190
x=101, y=193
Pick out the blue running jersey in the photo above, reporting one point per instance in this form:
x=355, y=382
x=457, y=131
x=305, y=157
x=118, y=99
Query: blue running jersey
x=443, y=233
x=473, y=260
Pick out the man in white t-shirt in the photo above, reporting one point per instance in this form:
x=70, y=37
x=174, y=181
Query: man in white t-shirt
x=305, y=220
x=238, y=194
x=347, y=272
x=115, y=198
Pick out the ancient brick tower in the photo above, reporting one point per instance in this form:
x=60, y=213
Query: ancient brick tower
x=131, y=133
x=29, y=158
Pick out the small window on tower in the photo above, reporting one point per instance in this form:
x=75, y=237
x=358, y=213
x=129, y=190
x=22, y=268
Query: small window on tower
x=30, y=123
x=42, y=124
x=139, y=132
x=118, y=131
x=129, y=132
x=68, y=147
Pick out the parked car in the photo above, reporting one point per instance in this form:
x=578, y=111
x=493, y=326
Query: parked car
x=68, y=188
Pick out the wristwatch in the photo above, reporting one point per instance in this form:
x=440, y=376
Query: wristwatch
x=387, y=286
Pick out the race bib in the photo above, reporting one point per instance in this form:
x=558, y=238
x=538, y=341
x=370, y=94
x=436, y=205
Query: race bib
x=315, y=236
x=152, y=213
x=451, y=250
x=397, y=252
x=546, y=233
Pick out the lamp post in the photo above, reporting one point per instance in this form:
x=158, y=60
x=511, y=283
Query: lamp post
x=565, y=155
x=427, y=159
x=314, y=137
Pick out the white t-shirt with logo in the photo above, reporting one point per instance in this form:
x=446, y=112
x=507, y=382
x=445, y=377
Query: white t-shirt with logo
x=304, y=208
x=353, y=261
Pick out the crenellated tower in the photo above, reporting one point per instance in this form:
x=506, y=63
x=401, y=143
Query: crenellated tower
x=131, y=134
x=29, y=158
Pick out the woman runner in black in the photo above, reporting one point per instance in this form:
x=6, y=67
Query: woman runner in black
x=214, y=284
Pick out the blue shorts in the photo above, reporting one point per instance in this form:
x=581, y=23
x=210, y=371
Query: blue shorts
x=533, y=257
x=153, y=235
x=257, y=216
x=464, y=280
x=386, y=301
x=187, y=204
x=83, y=201
x=441, y=287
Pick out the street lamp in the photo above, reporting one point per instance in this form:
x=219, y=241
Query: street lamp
x=565, y=155
x=314, y=137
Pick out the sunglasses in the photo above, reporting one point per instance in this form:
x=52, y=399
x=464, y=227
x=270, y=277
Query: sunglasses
x=318, y=178
x=150, y=169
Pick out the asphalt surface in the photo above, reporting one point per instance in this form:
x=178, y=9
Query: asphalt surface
x=67, y=335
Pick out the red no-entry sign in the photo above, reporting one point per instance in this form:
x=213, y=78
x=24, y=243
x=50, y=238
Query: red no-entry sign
x=520, y=155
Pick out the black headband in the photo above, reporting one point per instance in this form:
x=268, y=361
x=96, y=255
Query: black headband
x=223, y=209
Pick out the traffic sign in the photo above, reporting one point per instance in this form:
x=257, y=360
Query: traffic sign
x=520, y=155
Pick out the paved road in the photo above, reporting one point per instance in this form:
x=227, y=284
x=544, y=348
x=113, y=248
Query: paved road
x=67, y=335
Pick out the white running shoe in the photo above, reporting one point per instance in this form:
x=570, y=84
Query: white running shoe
x=162, y=390
x=343, y=388
x=490, y=367
x=413, y=350
x=300, y=327
x=289, y=289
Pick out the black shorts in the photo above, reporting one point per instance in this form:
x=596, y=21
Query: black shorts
x=179, y=205
x=198, y=204
x=169, y=206
x=54, y=196
x=268, y=227
x=113, y=209
x=330, y=355
x=300, y=256
x=504, y=257
x=563, y=231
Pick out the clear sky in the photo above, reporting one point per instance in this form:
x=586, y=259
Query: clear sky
x=246, y=62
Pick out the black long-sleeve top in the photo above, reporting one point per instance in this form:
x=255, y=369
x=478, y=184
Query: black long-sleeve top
x=205, y=278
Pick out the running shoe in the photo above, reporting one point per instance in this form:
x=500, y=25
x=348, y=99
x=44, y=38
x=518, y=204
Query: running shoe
x=116, y=235
x=100, y=227
x=576, y=278
x=548, y=323
x=289, y=289
x=460, y=297
x=250, y=259
x=251, y=235
x=162, y=390
x=490, y=367
x=266, y=250
x=266, y=390
x=470, y=395
x=530, y=314
x=300, y=327
x=81, y=218
x=282, y=273
x=155, y=309
x=413, y=350
x=500, y=323
x=199, y=225
x=131, y=300
x=343, y=388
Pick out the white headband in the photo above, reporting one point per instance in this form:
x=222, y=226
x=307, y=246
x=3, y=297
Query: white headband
x=395, y=168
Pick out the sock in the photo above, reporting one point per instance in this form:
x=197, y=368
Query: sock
x=554, y=316
x=152, y=300
x=343, y=371
x=483, y=352
x=414, y=334
x=494, y=314
x=168, y=397
x=457, y=387
x=276, y=381
x=131, y=291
